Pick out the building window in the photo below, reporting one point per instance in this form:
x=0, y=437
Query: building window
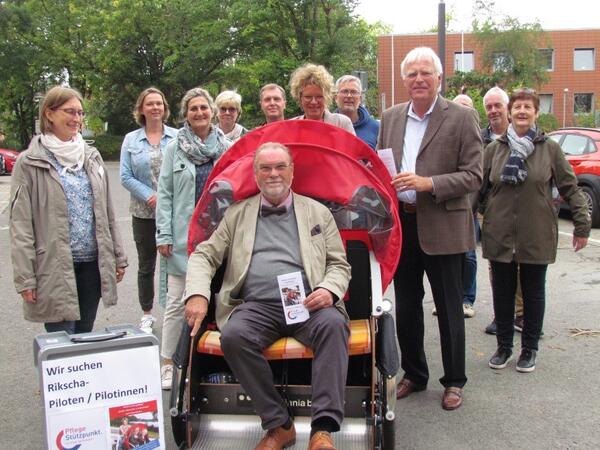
x=583, y=59
x=584, y=103
x=464, y=62
x=546, y=101
x=547, y=58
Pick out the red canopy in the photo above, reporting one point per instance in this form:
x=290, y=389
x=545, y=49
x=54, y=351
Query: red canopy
x=330, y=165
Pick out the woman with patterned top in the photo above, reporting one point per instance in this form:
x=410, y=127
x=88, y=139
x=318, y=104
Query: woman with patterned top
x=187, y=163
x=141, y=158
x=66, y=249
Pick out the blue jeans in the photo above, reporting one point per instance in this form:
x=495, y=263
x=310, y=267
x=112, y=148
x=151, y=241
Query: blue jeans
x=470, y=269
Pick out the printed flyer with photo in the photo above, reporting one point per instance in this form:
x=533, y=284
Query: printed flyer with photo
x=292, y=293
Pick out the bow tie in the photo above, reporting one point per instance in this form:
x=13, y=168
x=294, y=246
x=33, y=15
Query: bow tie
x=266, y=211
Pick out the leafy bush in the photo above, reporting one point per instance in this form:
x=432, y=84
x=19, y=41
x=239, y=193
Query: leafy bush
x=109, y=146
x=547, y=122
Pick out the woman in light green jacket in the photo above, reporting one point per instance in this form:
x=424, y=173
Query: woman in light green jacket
x=66, y=249
x=187, y=163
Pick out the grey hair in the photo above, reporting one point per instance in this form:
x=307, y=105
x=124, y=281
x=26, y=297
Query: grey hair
x=347, y=78
x=267, y=145
x=419, y=54
x=193, y=93
x=496, y=90
x=461, y=98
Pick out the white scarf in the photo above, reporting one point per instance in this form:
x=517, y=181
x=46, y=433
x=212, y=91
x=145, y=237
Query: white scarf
x=69, y=154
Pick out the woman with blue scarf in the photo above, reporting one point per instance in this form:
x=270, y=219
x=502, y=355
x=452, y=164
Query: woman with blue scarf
x=187, y=163
x=520, y=227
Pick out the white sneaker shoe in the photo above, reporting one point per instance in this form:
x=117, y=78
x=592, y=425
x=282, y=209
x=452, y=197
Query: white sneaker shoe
x=166, y=377
x=146, y=323
x=468, y=310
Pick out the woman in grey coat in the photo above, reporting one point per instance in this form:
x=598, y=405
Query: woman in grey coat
x=65, y=247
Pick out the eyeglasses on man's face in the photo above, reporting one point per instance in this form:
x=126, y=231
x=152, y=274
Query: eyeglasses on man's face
x=266, y=170
x=349, y=92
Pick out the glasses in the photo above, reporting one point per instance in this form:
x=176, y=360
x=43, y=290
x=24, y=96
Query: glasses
x=422, y=73
x=349, y=93
x=226, y=109
x=71, y=111
x=278, y=168
x=527, y=91
x=310, y=98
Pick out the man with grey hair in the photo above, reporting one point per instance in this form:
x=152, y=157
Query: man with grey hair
x=437, y=149
x=348, y=98
x=495, y=102
x=272, y=102
x=290, y=234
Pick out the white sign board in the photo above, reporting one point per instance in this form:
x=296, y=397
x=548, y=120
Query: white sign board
x=106, y=400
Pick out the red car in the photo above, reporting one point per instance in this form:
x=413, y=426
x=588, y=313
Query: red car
x=581, y=146
x=10, y=157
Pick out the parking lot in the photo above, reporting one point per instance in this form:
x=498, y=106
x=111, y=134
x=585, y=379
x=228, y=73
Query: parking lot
x=557, y=406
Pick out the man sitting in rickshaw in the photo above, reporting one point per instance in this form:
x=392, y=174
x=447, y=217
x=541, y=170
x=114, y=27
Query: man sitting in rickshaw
x=270, y=237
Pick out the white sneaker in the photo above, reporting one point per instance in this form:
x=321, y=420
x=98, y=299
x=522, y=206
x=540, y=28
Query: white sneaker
x=166, y=377
x=468, y=310
x=146, y=323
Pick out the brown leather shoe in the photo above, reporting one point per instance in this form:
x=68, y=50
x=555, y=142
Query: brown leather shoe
x=321, y=440
x=452, y=398
x=407, y=387
x=277, y=438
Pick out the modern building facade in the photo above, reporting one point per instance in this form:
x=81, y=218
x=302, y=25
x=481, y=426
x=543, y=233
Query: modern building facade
x=571, y=58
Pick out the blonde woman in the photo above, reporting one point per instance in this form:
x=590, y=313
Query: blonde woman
x=229, y=110
x=312, y=88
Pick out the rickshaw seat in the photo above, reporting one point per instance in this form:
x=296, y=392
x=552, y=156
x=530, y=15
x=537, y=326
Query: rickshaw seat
x=359, y=342
x=289, y=348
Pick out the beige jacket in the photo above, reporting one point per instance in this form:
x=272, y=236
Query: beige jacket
x=40, y=242
x=321, y=249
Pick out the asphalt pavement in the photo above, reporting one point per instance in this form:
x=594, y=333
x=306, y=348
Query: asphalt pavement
x=555, y=407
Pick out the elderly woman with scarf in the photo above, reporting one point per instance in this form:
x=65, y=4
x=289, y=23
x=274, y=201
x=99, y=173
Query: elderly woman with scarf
x=65, y=247
x=520, y=229
x=187, y=162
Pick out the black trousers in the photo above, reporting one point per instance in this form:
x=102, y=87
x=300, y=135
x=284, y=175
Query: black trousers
x=87, y=279
x=144, y=235
x=533, y=287
x=445, y=277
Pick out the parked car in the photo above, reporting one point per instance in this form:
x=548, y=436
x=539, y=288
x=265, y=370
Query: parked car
x=581, y=147
x=10, y=157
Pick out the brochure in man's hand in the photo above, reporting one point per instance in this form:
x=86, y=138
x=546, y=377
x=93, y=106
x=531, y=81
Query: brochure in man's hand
x=292, y=293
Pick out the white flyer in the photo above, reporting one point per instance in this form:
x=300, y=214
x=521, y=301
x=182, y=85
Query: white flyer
x=291, y=289
x=387, y=157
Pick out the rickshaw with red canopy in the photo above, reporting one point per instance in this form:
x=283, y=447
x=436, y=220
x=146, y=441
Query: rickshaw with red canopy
x=209, y=408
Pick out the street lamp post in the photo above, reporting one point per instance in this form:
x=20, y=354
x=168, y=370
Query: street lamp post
x=565, y=96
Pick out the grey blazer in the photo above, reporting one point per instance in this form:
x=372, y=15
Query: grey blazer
x=451, y=154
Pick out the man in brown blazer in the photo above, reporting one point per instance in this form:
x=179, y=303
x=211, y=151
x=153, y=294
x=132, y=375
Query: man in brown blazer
x=437, y=149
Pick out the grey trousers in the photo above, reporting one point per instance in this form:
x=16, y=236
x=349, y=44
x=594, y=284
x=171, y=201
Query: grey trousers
x=253, y=326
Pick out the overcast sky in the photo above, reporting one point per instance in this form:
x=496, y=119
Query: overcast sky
x=419, y=15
